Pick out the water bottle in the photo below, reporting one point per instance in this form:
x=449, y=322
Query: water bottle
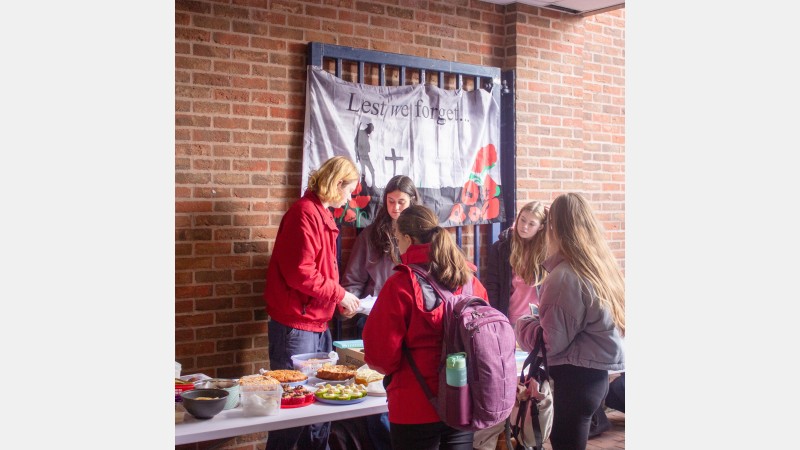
x=456, y=371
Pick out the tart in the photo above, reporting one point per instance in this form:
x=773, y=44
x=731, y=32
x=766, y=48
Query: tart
x=287, y=376
x=336, y=372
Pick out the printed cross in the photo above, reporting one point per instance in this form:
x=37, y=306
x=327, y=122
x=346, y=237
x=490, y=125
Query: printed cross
x=394, y=160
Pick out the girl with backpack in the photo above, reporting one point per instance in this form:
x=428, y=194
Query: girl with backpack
x=404, y=316
x=582, y=315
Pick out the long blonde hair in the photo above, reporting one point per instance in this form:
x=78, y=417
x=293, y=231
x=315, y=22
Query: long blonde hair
x=583, y=246
x=527, y=255
x=325, y=180
x=447, y=262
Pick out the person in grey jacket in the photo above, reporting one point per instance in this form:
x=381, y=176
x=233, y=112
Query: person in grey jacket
x=582, y=316
x=374, y=253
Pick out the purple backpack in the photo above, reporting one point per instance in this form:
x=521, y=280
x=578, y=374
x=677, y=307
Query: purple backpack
x=472, y=326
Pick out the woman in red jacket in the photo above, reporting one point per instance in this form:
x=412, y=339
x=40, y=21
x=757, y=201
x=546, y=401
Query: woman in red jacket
x=403, y=316
x=302, y=288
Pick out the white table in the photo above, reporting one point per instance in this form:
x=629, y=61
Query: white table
x=233, y=422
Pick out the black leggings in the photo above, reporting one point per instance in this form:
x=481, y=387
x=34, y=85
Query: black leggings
x=577, y=393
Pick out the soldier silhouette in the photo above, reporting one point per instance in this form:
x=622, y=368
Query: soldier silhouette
x=362, y=152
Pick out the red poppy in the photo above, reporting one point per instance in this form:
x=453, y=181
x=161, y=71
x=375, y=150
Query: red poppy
x=359, y=202
x=350, y=216
x=357, y=190
x=337, y=212
x=491, y=209
x=474, y=214
x=470, y=192
x=457, y=213
x=490, y=189
x=485, y=160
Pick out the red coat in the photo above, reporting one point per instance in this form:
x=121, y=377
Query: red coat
x=302, y=287
x=399, y=316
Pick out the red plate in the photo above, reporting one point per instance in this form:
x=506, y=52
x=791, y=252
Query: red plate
x=311, y=399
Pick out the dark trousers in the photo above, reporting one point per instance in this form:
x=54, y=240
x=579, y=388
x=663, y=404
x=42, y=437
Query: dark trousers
x=429, y=436
x=378, y=428
x=577, y=393
x=284, y=342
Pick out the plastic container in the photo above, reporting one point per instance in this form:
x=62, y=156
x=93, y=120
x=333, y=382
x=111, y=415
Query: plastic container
x=456, y=371
x=261, y=400
x=308, y=363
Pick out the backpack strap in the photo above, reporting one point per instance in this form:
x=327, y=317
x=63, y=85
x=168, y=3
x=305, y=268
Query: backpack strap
x=539, y=371
x=420, y=378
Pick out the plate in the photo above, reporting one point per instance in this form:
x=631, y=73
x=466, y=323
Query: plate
x=312, y=399
x=319, y=381
x=297, y=383
x=341, y=402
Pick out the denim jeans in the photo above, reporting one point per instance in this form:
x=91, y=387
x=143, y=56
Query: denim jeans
x=284, y=342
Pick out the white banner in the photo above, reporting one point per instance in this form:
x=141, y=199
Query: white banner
x=445, y=141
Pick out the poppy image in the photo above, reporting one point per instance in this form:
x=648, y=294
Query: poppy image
x=337, y=212
x=491, y=209
x=350, y=216
x=485, y=160
x=457, y=213
x=470, y=192
x=359, y=201
x=474, y=213
x=490, y=188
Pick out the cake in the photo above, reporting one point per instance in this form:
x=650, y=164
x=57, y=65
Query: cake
x=336, y=372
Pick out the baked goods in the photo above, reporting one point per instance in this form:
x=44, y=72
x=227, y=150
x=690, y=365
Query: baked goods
x=367, y=376
x=336, y=372
x=258, y=380
x=287, y=376
x=296, y=395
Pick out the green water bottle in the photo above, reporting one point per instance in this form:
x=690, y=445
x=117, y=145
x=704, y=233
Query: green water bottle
x=456, y=370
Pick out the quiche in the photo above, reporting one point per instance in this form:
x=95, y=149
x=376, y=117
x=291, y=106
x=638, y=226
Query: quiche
x=287, y=376
x=336, y=372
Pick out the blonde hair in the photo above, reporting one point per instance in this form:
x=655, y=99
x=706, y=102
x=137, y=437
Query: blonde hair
x=583, y=246
x=447, y=262
x=325, y=180
x=527, y=255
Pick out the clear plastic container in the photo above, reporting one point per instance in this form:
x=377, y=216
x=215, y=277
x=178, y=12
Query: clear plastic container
x=261, y=400
x=308, y=363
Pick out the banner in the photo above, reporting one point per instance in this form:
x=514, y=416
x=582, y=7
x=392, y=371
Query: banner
x=445, y=141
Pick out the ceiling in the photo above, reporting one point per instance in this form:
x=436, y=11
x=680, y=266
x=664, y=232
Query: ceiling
x=576, y=7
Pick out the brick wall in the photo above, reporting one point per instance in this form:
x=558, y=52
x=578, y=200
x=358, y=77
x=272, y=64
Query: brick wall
x=239, y=99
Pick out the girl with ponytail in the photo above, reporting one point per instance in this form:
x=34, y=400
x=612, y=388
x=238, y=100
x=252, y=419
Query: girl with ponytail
x=404, y=316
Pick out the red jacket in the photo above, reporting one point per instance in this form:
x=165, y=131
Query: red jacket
x=302, y=287
x=399, y=316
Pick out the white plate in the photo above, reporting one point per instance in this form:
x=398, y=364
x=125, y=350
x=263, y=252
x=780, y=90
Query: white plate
x=314, y=381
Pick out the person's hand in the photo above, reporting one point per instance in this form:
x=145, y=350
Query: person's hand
x=533, y=390
x=349, y=305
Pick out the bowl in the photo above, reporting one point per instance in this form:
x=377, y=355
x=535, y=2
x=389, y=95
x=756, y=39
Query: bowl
x=232, y=386
x=204, y=403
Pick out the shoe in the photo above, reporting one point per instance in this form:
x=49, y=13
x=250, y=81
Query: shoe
x=599, y=424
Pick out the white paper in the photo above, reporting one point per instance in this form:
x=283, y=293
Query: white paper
x=366, y=304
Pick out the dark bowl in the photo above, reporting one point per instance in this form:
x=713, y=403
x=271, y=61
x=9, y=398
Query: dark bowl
x=204, y=409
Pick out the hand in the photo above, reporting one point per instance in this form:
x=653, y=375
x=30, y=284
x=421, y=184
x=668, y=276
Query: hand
x=533, y=390
x=349, y=305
